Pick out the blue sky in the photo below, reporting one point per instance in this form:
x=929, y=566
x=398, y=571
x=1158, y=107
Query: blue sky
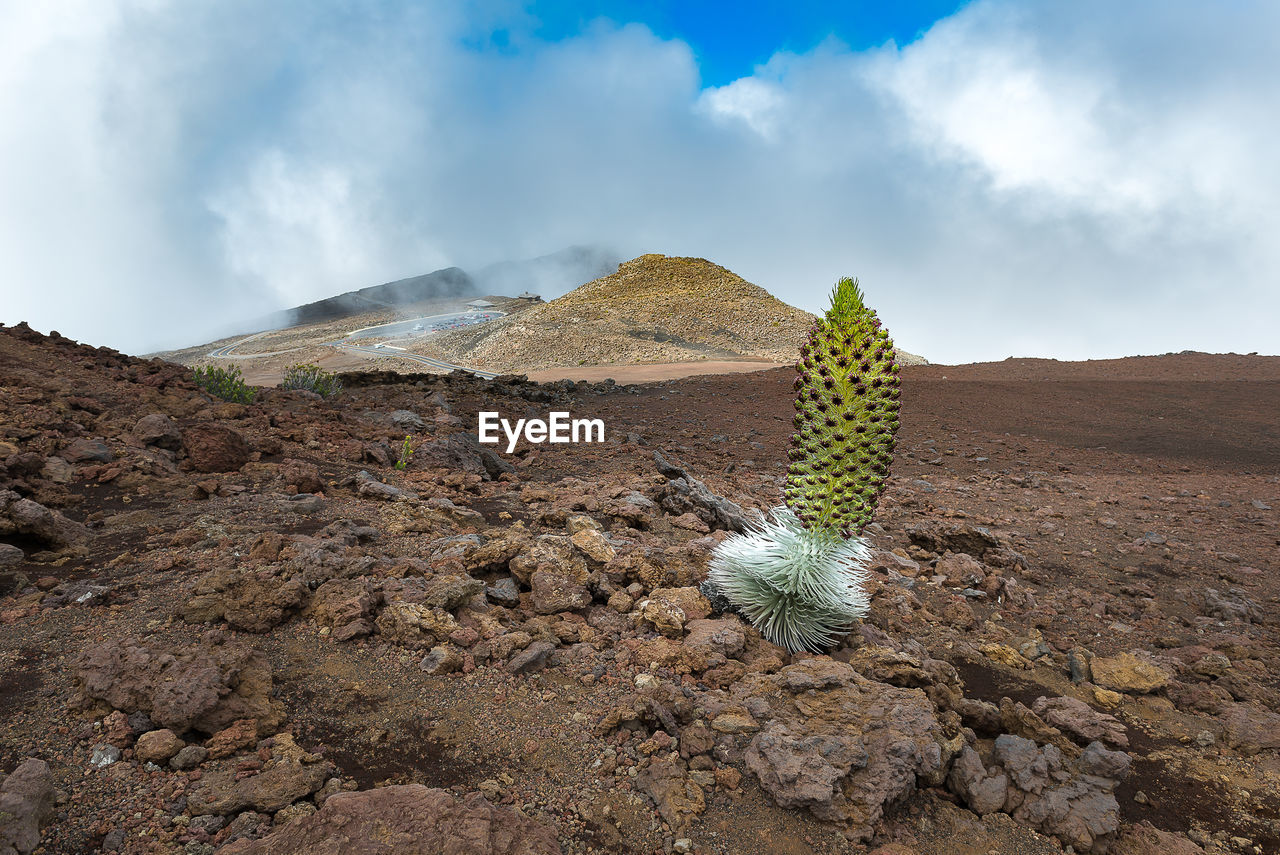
x=730, y=39
x=1005, y=177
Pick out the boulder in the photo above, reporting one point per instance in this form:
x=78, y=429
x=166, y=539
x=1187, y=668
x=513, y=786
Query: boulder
x=441, y=659
x=549, y=553
x=345, y=606
x=961, y=569
x=277, y=786
x=237, y=736
x=9, y=556
x=461, y=453
x=1128, y=673
x=302, y=476
x=371, y=488
x=254, y=602
x=26, y=804
x=593, y=544
x=840, y=745
x=31, y=519
x=12, y=581
x=201, y=687
x=685, y=494
x=214, y=448
x=1145, y=839
x=157, y=746
x=159, y=430
x=1250, y=728
x=552, y=593
x=1081, y=721
x=407, y=819
x=87, y=451
x=679, y=800
x=532, y=658
x=946, y=535
x=414, y=625
x=1073, y=801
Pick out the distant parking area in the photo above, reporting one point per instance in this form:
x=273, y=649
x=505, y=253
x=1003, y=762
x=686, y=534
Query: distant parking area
x=423, y=326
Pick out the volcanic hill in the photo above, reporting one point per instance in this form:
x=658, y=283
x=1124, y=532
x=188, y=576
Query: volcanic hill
x=655, y=308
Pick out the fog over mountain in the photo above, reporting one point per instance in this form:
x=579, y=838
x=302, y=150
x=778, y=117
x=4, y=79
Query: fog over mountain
x=1030, y=178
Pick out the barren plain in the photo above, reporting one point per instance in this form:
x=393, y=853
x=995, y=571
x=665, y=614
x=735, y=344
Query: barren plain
x=242, y=629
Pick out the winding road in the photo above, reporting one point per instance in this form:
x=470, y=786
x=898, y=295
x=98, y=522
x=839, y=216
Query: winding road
x=227, y=351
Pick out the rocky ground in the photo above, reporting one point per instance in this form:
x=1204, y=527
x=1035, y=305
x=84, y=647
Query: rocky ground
x=243, y=629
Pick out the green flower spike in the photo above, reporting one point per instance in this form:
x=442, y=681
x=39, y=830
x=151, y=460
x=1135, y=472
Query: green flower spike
x=798, y=576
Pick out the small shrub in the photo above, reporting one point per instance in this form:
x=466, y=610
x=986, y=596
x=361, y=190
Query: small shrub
x=224, y=383
x=311, y=378
x=406, y=454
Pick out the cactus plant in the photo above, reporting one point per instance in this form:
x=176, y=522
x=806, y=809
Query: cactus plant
x=798, y=575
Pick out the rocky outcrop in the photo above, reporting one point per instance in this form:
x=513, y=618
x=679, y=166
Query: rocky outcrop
x=1074, y=802
x=203, y=687
x=843, y=746
x=408, y=819
x=26, y=804
x=685, y=494
x=28, y=518
x=461, y=453
x=1127, y=673
x=214, y=448
x=159, y=430
x=1081, y=721
x=281, y=782
x=254, y=602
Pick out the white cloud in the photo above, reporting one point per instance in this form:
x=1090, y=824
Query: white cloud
x=755, y=102
x=1024, y=178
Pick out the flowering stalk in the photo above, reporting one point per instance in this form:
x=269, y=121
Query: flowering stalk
x=798, y=576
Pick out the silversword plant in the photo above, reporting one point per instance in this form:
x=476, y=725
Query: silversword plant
x=798, y=574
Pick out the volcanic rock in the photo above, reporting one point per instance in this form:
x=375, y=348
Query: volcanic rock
x=157, y=746
x=87, y=451
x=214, y=448
x=302, y=476
x=31, y=519
x=843, y=746
x=159, y=430
x=26, y=804
x=203, y=687
x=371, y=488
x=1127, y=673
x=532, y=658
x=1081, y=721
x=254, y=602
x=1075, y=803
x=278, y=785
x=407, y=819
x=685, y=494
x=1250, y=728
x=679, y=799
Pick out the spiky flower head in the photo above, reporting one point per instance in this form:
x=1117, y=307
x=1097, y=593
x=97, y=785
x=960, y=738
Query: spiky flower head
x=846, y=416
x=798, y=576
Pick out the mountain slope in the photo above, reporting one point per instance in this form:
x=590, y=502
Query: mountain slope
x=654, y=309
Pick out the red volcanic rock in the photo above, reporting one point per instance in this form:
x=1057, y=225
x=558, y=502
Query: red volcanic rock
x=214, y=448
x=205, y=687
x=408, y=819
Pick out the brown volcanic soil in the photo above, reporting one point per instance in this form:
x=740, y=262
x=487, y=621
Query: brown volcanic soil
x=1130, y=488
